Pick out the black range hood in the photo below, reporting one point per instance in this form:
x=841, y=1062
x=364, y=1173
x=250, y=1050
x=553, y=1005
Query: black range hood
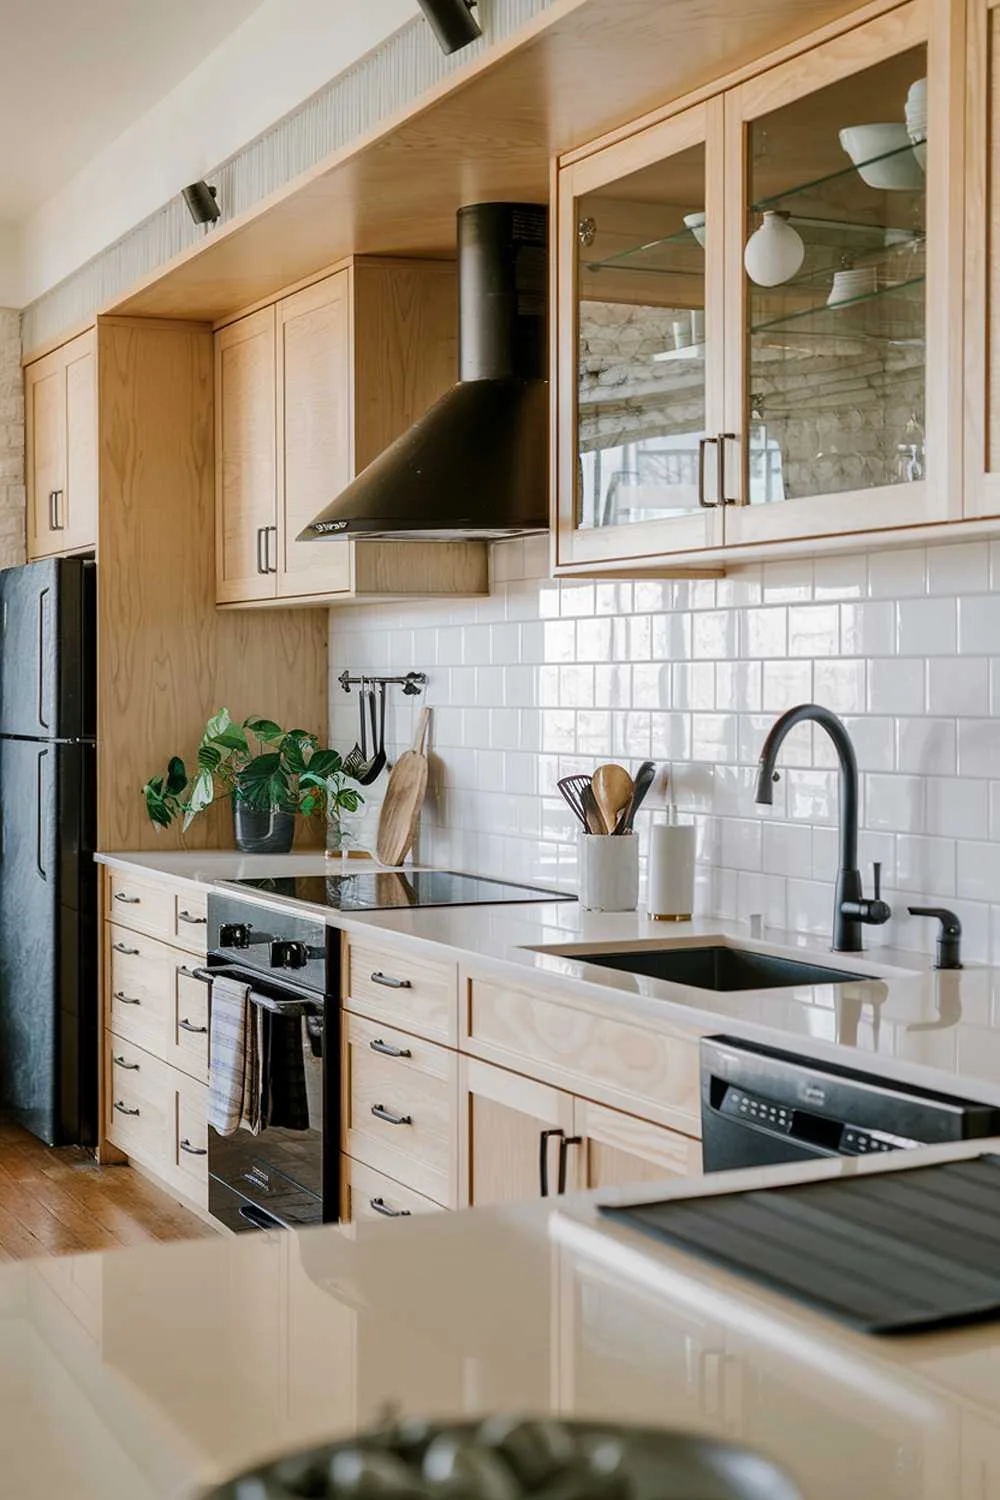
x=477, y=462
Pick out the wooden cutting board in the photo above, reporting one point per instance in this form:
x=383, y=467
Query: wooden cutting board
x=404, y=797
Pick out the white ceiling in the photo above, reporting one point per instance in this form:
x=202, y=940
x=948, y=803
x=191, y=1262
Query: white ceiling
x=75, y=73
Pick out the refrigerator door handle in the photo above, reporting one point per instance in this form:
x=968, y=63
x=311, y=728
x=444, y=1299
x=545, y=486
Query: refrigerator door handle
x=40, y=815
x=42, y=597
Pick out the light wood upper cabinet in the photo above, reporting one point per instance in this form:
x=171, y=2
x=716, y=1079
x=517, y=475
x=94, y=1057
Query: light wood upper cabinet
x=308, y=392
x=245, y=457
x=760, y=308
x=314, y=420
x=982, y=262
x=61, y=449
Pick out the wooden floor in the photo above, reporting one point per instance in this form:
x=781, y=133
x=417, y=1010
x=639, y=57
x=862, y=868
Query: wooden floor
x=60, y=1202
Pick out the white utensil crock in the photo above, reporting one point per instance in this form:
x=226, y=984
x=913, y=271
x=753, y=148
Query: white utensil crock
x=609, y=871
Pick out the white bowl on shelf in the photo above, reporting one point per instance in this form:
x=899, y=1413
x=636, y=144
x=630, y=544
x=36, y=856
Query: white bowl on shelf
x=849, y=285
x=696, y=224
x=883, y=156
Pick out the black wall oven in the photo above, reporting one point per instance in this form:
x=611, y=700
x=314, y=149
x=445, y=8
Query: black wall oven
x=281, y=1178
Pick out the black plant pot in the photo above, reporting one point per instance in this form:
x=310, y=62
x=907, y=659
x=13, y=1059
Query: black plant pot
x=269, y=832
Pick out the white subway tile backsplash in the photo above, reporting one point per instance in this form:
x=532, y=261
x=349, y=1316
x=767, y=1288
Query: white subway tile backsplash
x=546, y=677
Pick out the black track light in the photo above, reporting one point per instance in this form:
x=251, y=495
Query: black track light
x=452, y=22
x=201, y=202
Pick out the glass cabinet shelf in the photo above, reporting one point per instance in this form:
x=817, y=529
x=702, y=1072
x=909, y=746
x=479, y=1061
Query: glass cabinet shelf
x=906, y=197
x=892, y=314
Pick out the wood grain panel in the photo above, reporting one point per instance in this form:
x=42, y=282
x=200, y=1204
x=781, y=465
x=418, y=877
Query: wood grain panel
x=424, y=1002
x=245, y=457
x=619, y=1063
x=316, y=448
x=502, y=1116
x=45, y=448
x=364, y=1192
x=488, y=131
x=78, y=512
x=618, y=1148
x=166, y=657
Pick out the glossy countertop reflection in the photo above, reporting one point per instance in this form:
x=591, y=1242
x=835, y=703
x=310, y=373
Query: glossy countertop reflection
x=158, y=1370
x=901, y=1019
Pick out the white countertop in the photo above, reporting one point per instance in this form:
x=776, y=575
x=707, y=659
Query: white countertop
x=936, y=1029
x=156, y=1370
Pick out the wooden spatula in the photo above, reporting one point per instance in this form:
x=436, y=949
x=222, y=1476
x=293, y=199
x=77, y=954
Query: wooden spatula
x=404, y=798
x=612, y=792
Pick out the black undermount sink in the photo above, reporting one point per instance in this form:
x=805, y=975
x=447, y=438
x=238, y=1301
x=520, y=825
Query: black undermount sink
x=719, y=968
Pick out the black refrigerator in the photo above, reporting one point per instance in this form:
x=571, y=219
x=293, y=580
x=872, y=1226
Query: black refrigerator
x=48, y=879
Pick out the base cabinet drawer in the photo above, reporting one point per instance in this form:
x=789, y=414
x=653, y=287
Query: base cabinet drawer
x=174, y=913
x=418, y=995
x=153, y=999
x=158, y=1116
x=367, y=1195
x=400, y=1107
x=189, y=920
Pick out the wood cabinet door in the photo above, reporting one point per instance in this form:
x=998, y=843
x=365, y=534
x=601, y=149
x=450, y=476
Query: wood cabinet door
x=45, y=445
x=612, y=1149
x=982, y=262
x=77, y=505
x=315, y=427
x=844, y=285
x=640, y=345
x=246, y=530
x=512, y=1132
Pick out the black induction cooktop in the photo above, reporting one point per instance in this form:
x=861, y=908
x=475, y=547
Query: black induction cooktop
x=381, y=890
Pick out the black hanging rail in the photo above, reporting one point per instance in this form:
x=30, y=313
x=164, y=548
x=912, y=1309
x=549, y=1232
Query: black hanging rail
x=412, y=683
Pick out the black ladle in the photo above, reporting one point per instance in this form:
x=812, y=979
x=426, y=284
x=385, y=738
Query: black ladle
x=357, y=757
x=644, y=778
x=376, y=766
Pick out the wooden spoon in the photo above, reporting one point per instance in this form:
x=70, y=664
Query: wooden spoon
x=613, y=790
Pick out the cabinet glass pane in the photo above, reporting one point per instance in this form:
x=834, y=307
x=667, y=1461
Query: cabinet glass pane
x=993, y=242
x=641, y=331
x=834, y=260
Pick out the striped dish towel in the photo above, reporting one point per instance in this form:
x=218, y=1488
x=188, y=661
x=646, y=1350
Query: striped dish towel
x=234, y=1082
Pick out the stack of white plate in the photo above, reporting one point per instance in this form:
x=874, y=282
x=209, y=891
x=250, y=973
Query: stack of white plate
x=916, y=119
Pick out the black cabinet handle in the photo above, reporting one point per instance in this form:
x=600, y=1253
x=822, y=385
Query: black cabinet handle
x=186, y=916
x=379, y=1046
x=381, y=1207
x=260, y=550
x=724, y=438
x=122, y=948
x=564, y=1145
x=193, y=1150
x=57, y=525
x=123, y=1109
x=128, y=900
x=193, y=974
x=52, y=510
x=124, y=999
x=543, y=1158
x=269, y=566
x=120, y=1062
x=186, y=1025
x=381, y=1113
x=387, y=981
x=702, y=450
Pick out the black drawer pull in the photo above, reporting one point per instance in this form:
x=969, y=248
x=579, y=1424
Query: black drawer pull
x=123, y=1109
x=121, y=948
x=120, y=1062
x=544, y=1136
x=187, y=1025
x=381, y=1113
x=387, y=981
x=381, y=1207
x=387, y=1051
x=128, y=900
x=193, y=1150
x=124, y=999
x=193, y=974
x=185, y=916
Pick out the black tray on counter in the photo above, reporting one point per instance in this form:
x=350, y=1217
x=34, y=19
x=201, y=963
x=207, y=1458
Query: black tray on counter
x=887, y=1252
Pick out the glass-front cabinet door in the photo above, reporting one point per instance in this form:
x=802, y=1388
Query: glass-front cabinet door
x=843, y=285
x=641, y=345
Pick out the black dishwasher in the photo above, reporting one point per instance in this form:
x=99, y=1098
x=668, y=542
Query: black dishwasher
x=760, y=1106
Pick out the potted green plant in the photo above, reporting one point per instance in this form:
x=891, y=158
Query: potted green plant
x=269, y=772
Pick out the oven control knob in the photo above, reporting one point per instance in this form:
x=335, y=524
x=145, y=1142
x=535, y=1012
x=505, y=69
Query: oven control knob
x=234, y=935
x=288, y=955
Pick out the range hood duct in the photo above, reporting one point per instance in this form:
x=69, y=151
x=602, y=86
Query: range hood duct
x=477, y=462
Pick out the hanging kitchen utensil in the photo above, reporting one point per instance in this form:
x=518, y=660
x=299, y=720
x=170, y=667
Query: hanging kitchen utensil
x=363, y=774
x=644, y=778
x=377, y=764
x=593, y=822
x=404, y=798
x=612, y=787
x=357, y=756
x=572, y=788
